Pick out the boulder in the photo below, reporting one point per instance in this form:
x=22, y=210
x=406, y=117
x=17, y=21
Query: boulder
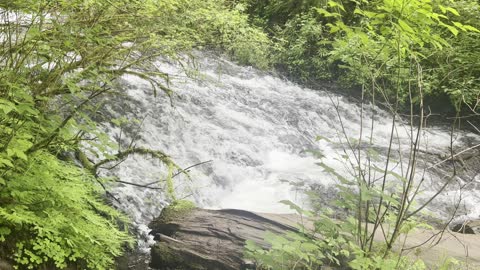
x=467, y=227
x=192, y=238
x=208, y=239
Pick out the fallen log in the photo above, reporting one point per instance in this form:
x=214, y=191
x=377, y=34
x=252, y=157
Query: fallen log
x=208, y=239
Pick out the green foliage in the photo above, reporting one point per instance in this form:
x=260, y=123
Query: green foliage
x=300, y=41
x=330, y=243
x=279, y=12
x=51, y=213
x=231, y=31
x=397, y=52
x=290, y=251
x=176, y=209
x=57, y=59
x=302, y=48
x=455, y=70
x=376, y=261
x=209, y=24
x=384, y=49
x=383, y=45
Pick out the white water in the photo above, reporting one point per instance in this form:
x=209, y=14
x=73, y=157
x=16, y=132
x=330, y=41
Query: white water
x=256, y=129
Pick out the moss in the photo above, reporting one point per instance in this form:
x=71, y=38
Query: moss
x=176, y=210
x=164, y=258
x=86, y=163
x=165, y=253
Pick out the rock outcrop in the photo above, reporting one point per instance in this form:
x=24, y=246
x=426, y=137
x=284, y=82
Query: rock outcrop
x=193, y=238
x=208, y=239
x=467, y=227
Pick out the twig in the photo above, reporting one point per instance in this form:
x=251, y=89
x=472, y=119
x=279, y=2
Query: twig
x=106, y=191
x=157, y=188
x=478, y=130
x=142, y=151
x=453, y=156
x=137, y=185
x=181, y=171
x=189, y=167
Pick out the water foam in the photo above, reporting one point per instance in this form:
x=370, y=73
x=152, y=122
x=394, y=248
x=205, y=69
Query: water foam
x=257, y=129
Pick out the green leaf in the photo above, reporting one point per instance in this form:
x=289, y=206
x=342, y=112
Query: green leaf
x=6, y=106
x=21, y=155
x=292, y=206
x=319, y=138
x=453, y=11
x=7, y=162
x=332, y=171
x=404, y=25
x=453, y=30
x=335, y=4
x=471, y=28
x=251, y=245
x=442, y=8
x=317, y=153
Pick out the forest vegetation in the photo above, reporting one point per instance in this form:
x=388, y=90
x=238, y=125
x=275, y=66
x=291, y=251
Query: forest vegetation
x=343, y=41
x=58, y=57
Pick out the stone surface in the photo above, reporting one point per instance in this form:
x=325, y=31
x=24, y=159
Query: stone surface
x=214, y=239
x=209, y=239
x=467, y=227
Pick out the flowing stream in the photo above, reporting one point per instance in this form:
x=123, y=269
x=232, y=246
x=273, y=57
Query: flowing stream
x=257, y=131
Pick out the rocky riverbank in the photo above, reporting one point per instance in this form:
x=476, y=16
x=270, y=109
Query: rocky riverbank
x=214, y=239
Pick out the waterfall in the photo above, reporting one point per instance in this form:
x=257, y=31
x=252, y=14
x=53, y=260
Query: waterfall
x=257, y=130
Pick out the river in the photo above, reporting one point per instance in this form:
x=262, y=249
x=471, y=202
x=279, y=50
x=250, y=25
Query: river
x=257, y=132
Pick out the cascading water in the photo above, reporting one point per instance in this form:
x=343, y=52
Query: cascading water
x=256, y=129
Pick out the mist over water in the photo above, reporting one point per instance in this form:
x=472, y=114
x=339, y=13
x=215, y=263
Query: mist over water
x=257, y=129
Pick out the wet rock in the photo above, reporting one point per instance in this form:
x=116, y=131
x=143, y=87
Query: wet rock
x=208, y=239
x=132, y=260
x=467, y=227
x=194, y=238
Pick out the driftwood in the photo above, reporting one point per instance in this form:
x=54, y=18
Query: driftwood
x=209, y=239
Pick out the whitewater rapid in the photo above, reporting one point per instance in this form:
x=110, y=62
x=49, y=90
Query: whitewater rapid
x=256, y=130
